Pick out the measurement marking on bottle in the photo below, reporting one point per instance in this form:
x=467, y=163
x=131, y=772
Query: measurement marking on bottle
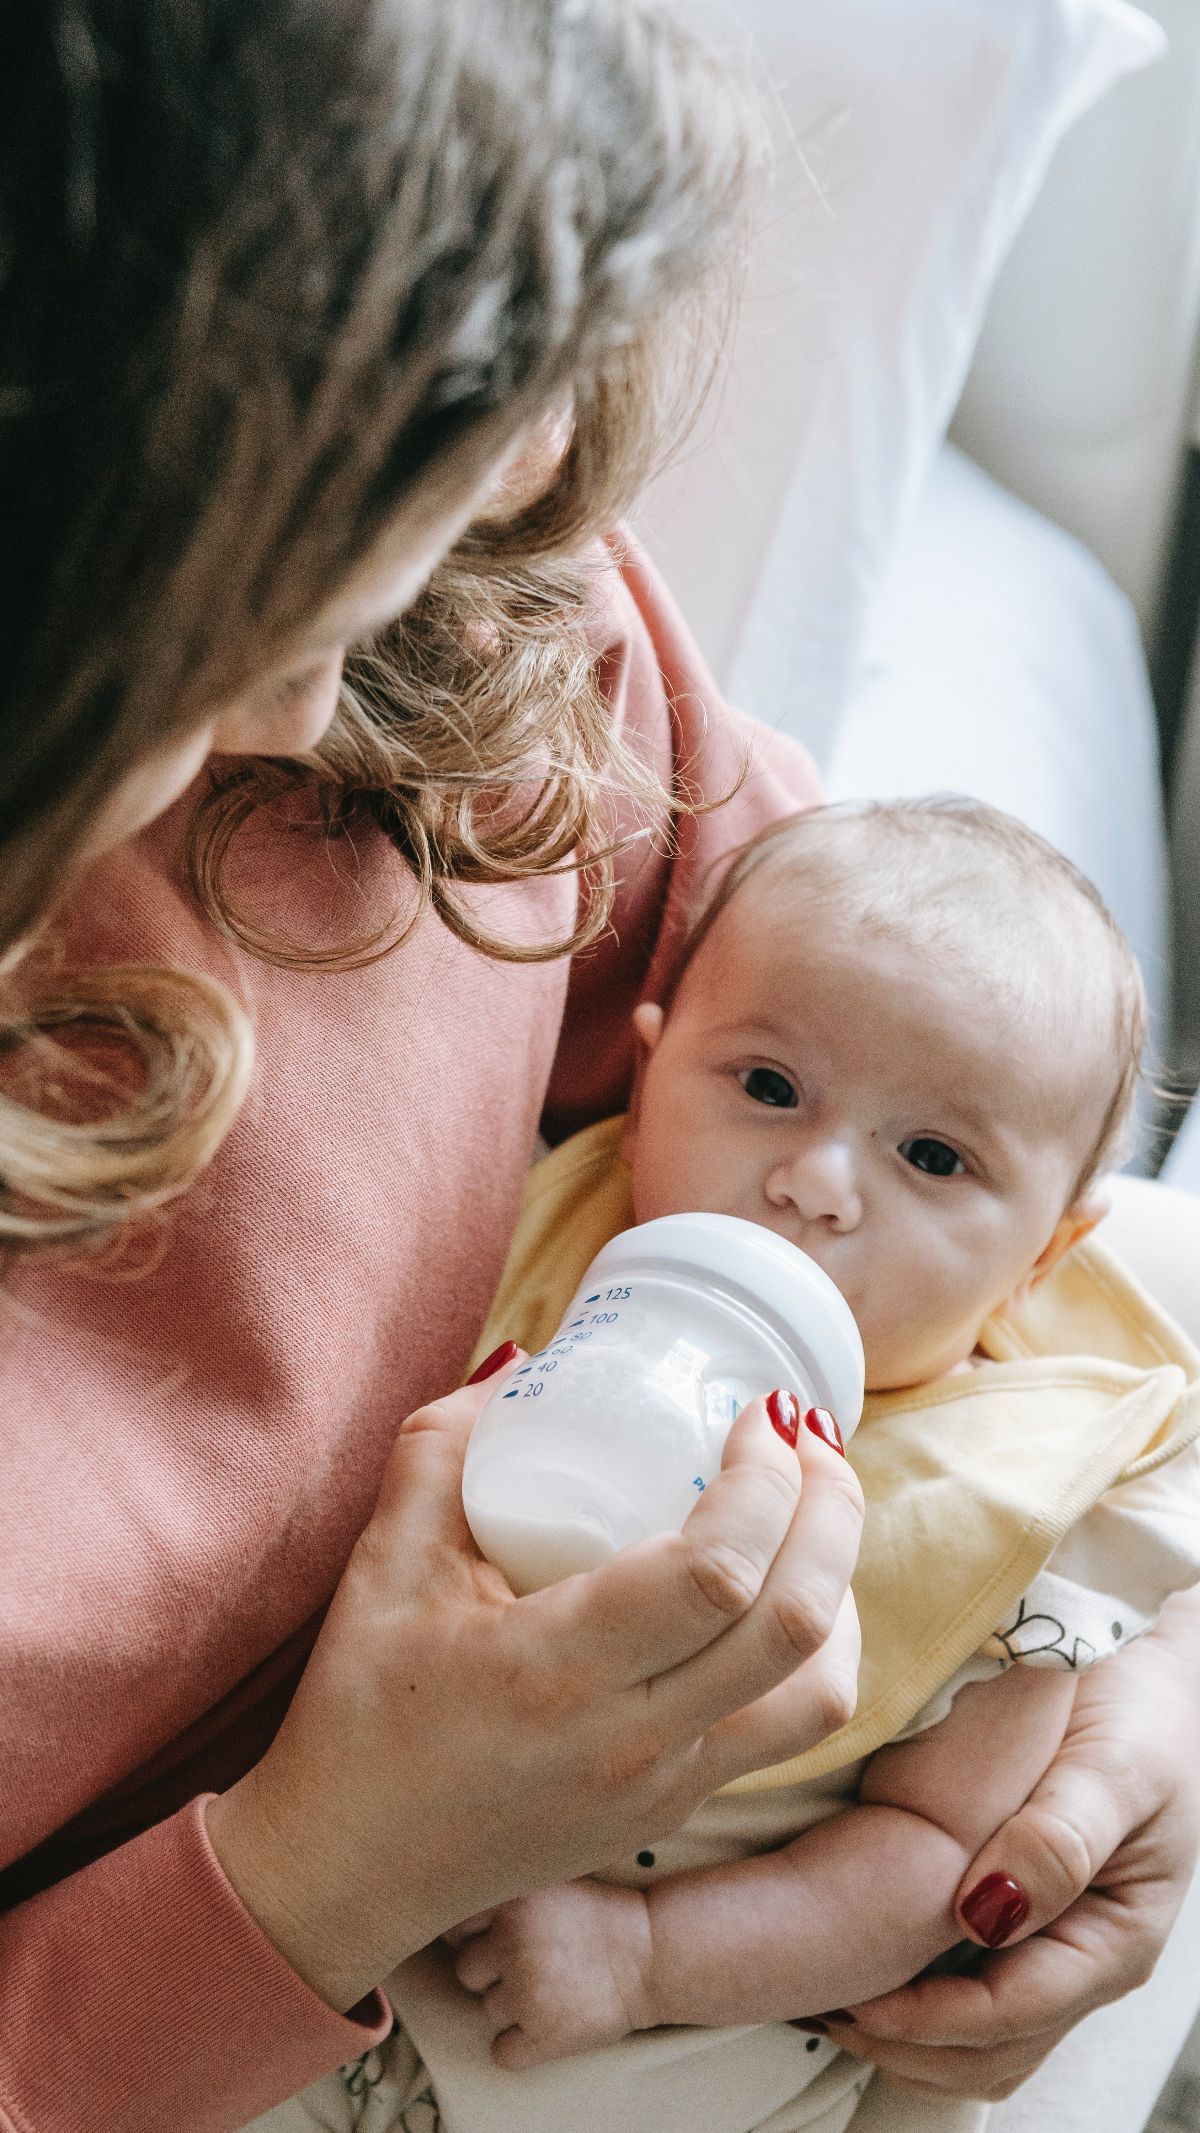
x=698, y=1483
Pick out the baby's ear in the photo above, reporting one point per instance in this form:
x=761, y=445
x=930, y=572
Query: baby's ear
x=648, y=1019
x=1079, y=1221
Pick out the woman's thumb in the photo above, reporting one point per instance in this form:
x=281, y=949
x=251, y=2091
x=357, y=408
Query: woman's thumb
x=1039, y=1863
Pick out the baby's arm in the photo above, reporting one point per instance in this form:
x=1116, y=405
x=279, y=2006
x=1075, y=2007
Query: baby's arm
x=854, y=1907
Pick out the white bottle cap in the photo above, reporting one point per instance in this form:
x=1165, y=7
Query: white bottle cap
x=771, y=1277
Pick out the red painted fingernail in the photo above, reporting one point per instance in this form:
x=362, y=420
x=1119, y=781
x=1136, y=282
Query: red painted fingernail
x=784, y=1410
x=493, y=1362
x=995, y=1908
x=822, y=1425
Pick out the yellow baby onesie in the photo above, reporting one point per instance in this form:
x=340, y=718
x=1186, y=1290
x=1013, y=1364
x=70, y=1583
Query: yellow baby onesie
x=970, y=1483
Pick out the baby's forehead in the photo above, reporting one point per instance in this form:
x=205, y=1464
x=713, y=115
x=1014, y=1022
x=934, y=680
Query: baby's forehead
x=1014, y=969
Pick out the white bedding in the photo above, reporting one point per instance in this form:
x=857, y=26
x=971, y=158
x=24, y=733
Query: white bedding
x=1002, y=661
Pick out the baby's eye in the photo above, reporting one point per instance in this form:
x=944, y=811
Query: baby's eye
x=766, y=1086
x=936, y=1158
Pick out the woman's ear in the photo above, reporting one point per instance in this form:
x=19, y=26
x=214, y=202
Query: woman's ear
x=648, y=1019
x=1079, y=1221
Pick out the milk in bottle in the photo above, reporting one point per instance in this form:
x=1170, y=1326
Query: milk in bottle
x=612, y=1431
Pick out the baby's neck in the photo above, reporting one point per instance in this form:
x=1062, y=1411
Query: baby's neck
x=954, y=1370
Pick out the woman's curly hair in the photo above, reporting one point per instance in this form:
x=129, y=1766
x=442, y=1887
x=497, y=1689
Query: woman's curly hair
x=281, y=285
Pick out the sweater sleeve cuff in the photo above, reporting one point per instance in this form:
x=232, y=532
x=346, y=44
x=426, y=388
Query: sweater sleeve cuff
x=141, y=1993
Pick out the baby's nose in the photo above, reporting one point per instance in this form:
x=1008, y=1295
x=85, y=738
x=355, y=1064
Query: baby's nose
x=818, y=1178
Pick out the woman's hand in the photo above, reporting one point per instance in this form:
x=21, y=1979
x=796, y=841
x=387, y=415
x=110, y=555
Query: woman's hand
x=1103, y=1853
x=450, y=1746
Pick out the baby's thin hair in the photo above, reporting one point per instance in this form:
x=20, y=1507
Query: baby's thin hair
x=944, y=840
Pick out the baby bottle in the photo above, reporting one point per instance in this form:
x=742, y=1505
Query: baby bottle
x=611, y=1432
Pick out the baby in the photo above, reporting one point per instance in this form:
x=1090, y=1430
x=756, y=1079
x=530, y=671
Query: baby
x=907, y=1037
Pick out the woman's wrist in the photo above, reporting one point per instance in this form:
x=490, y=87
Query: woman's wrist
x=302, y=1912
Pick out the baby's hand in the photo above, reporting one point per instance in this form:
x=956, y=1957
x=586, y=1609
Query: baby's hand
x=560, y=1971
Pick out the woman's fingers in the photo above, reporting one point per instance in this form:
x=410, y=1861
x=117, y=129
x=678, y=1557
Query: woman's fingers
x=982, y=2035
x=419, y=1521
x=953, y=2035
x=987, y=2077
x=1040, y=1862
x=725, y=1611
x=791, y=1627
x=1044, y=1984
x=812, y=1703
x=655, y=1605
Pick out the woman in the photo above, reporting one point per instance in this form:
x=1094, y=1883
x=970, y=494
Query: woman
x=284, y=291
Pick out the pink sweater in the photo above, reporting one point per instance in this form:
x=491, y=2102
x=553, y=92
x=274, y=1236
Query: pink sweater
x=189, y=1456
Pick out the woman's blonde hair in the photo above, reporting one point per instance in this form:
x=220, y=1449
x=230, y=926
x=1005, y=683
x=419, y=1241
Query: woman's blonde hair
x=282, y=284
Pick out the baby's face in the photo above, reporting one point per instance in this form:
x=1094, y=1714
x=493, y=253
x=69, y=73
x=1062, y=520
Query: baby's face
x=916, y=1135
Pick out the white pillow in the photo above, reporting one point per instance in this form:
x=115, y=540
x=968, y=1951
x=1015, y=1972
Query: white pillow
x=1002, y=661
x=912, y=136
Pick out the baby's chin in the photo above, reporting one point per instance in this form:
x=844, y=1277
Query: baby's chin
x=902, y=1373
